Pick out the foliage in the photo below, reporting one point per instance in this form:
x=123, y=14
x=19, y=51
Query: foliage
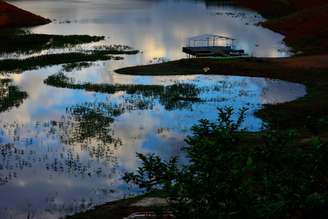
x=276, y=178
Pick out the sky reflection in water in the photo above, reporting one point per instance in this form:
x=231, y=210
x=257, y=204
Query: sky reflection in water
x=65, y=150
x=159, y=28
x=71, y=147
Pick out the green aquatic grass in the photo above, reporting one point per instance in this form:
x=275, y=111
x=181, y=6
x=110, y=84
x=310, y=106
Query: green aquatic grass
x=118, y=49
x=54, y=59
x=93, y=121
x=10, y=95
x=25, y=43
x=76, y=66
x=35, y=62
x=171, y=96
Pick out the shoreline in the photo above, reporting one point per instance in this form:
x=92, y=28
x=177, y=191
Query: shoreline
x=303, y=23
x=14, y=17
x=122, y=208
x=298, y=69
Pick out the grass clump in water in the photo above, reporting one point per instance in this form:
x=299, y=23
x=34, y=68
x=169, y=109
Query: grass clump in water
x=118, y=49
x=63, y=58
x=171, y=96
x=26, y=43
x=76, y=66
x=54, y=59
x=10, y=95
x=93, y=121
x=89, y=124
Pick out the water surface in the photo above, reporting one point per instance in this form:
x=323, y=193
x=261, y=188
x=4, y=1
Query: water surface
x=65, y=150
x=158, y=27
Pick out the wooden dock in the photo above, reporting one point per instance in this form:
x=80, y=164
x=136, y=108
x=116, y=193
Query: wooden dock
x=211, y=45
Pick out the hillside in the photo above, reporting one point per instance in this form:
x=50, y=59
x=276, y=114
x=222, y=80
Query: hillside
x=304, y=23
x=305, y=30
x=12, y=16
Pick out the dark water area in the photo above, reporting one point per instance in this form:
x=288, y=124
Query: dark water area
x=64, y=150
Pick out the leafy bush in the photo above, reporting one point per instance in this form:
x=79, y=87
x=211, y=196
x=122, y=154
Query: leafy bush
x=274, y=177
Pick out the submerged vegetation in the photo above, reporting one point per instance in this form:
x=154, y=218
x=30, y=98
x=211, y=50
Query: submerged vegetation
x=23, y=43
x=171, y=96
x=69, y=67
x=51, y=59
x=10, y=95
x=27, y=43
x=89, y=125
x=92, y=121
x=279, y=176
x=83, y=128
x=117, y=49
x=56, y=59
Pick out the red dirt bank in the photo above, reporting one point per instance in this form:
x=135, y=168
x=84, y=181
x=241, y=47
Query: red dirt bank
x=304, y=23
x=278, y=8
x=11, y=16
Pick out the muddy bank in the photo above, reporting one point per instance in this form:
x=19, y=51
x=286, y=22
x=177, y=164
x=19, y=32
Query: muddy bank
x=306, y=31
x=12, y=16
x=278, y=8
x=304, y=23
x=121, y=209
x=258, y=67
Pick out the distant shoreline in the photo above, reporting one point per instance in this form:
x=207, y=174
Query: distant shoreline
x=303, y=23
x=14, y=17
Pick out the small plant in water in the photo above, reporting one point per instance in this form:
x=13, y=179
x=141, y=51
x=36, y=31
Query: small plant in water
x=10, y=95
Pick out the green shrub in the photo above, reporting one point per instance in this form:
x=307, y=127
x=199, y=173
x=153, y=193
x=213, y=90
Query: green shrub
x=225, y=178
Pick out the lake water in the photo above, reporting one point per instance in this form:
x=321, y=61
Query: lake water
x=65, y=150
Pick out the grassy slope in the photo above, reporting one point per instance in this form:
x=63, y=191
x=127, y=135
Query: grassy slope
x=305, y=30
x=11, y=16
x=278, y=8
x=268, y=8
